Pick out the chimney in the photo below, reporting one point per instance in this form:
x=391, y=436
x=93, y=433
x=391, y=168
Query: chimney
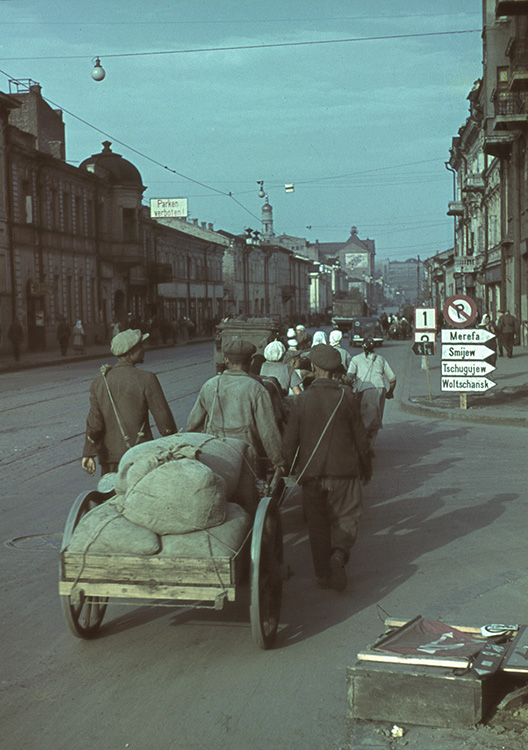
x=204, y=225
x=195, y=222
x=210, y=227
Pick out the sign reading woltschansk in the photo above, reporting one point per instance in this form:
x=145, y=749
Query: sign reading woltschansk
x=164, y=208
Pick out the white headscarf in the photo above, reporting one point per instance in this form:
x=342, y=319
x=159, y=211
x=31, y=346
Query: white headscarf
x=292, y=344
x=274, y=351
x=335, y=337
x=319, y=337
x=291, y=333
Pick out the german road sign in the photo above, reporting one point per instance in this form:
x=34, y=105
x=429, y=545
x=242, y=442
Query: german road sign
x=465, y=351
x=466, y=335
x=424, y=319
x=424, y=347
x=460, y=311
x=452, y=367
x=466, y=384
x=425, y=336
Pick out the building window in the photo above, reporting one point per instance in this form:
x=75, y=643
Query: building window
x=90, y=217
x=129, y=225
x=79, y=215
x=66, y=212
x=27, y=205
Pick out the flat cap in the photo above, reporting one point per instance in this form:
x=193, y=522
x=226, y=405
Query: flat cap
x=125, y=341
x=238, y=350
x=325, y=357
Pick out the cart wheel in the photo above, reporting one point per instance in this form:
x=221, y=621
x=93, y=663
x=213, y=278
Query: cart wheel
x=83, y=614
x=266, y=573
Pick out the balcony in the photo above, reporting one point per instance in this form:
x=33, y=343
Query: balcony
x=159, y=273
x=126, y=254
x=455, y=208
x=499, y=144
x=518, y=65
x=511, y=7
x=510, y=110
x=474, y=183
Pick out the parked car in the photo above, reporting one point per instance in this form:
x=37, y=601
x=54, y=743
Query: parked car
x=363, y=328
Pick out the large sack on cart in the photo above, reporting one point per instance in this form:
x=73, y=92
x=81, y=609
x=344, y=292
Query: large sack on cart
x=232, y=459
x=105, y=530
x=222, y=541
x=170, y=492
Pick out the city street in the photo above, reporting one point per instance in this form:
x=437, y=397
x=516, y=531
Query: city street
x=443, y=535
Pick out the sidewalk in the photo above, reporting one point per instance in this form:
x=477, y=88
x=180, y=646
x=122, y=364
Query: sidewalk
x=506, y=403
x=29, y=360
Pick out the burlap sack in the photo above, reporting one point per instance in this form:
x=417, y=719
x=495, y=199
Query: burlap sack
x=105, y=530
x=222, y=541
x=177, y=497
x=232, y=459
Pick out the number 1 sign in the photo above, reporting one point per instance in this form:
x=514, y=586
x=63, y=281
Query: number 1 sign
x=424, y=319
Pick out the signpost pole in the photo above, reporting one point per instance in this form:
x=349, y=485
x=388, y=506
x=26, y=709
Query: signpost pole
x=463, y=401
x=429, y=391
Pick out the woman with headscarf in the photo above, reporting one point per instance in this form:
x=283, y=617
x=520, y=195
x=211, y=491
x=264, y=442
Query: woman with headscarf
x=335, y=341
x=319, y=337
x=78, y=337
x=275, y=367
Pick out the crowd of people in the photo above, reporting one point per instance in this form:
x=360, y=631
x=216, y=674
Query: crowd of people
x=307, y=408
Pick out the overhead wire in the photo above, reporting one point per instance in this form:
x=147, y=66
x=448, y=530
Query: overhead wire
x=235, y=48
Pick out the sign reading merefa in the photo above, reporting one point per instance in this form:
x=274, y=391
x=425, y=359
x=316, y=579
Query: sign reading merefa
x=165, y=208
x=466, y=336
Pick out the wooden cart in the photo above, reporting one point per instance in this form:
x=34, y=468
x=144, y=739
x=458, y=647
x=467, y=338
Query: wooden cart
x=88, y=581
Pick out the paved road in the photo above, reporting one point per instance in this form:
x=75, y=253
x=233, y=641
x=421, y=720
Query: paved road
x=443, y=536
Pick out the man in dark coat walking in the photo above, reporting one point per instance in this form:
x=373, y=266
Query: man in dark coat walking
x=120, y=401
x=326, y=444
x=508, y=329
x=15, y=334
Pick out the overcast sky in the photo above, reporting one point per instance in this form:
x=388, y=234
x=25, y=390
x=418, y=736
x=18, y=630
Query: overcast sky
x=362, y=128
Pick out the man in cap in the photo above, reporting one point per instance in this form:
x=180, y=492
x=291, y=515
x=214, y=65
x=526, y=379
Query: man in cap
x=373, y=378
x=234, y=404
x=326, y=445
x=120, y=401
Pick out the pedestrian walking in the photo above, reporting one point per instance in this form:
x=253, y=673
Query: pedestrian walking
x=234, y=404
x=490, y=326
x=508, y=329
x=326, y=446
x=335, y=339
x=373, y=378
x=78, y=337
x=15, y=334
x=120, y=401
x=63, y=336
x=274, y=366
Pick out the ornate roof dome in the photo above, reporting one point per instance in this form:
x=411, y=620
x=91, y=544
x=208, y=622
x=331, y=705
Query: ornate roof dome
x=119, y=170
x=266, y=206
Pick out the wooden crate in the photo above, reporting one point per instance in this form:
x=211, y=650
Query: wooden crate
x=427, y=696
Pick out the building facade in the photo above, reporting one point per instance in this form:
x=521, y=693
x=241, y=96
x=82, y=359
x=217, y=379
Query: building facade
x=489, y=161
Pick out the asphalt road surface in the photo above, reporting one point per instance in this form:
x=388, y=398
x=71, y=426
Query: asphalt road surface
x=444, y=532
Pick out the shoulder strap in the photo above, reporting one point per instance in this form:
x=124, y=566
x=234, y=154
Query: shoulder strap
x=104, y=370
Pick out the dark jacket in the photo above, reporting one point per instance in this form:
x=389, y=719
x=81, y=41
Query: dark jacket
x=135, y=392
x=507, y=324
x=343, y=450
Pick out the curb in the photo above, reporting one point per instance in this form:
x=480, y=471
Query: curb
x=20, y=366
x=454, y=416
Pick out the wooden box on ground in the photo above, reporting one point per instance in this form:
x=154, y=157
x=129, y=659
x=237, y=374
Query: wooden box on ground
x=427, y=696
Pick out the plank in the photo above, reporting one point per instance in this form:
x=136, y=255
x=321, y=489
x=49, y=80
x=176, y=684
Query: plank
x=129, y=568
x=144, y=591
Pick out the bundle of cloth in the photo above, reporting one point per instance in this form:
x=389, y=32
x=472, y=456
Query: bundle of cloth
x=174, y=487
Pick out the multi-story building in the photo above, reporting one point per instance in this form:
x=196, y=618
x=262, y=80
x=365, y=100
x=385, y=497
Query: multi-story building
x=490, y=163
x=78, y=243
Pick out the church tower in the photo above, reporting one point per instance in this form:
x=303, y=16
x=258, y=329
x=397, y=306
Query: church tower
x=267, y=221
